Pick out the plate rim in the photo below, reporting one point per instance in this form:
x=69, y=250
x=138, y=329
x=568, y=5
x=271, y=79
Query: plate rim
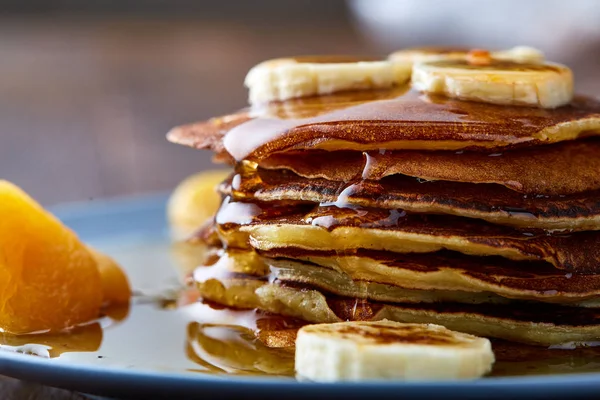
x=120, y=381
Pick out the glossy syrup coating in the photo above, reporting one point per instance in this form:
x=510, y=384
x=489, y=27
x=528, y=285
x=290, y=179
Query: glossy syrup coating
x=526, y=322
x=388, y=119
x=442, y=276
x=490, y=202
x=328, y=227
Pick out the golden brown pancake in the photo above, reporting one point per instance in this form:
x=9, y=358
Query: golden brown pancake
x=559, y=169
x=525, y=322
x=388, y=119
x=442, y=271
x=328, y=280
x=493, y=203
x=412, y=278
x=211, y=136
x=339, y=229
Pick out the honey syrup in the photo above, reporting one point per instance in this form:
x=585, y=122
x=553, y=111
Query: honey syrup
x=167, y=328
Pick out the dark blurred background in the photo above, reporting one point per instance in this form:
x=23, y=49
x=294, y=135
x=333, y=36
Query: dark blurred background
x=89, y=88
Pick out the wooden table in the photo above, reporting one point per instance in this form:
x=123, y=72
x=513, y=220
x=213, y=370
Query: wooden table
x=12, y=389
x=85, y=103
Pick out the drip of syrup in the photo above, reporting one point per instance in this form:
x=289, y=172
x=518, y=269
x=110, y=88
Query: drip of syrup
x=239, y=213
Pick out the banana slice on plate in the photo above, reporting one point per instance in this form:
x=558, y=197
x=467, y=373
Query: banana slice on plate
x=480, y=77
x=287, y=78
x=353, y=351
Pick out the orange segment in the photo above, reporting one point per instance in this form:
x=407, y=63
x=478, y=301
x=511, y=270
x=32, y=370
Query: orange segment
x=115, y=286
x=48, y=278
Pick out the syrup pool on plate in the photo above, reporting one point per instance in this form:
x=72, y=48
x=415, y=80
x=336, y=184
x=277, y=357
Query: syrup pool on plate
x=166, y=328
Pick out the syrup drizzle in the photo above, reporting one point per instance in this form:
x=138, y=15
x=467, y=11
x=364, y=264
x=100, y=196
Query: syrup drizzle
x=342, y=202
x=194, y=337
x=232, y=212
x=412, y=120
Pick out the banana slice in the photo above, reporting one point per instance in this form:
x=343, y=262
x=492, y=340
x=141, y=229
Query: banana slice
x=352, y=351
x=415, y=55
x=287, y=78
x=482, y=78
x=404, y=60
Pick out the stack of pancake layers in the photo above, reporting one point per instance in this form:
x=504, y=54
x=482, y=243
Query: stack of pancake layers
x=395, y=204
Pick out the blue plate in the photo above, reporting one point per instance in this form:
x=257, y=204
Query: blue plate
x=121, y=227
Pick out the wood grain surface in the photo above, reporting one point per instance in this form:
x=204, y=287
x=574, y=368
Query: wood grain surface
x=13, y=389
x=85, y=103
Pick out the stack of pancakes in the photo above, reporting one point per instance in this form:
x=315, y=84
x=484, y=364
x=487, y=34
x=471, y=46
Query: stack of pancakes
x=395, y=204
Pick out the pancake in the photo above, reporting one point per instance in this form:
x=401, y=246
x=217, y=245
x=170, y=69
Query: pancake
x=413, y=278
x=341, y=229
x=441, y=271
x=564, y=168
x=394, y=204
x=525, y=322
x=390, y=119
x=493, y=203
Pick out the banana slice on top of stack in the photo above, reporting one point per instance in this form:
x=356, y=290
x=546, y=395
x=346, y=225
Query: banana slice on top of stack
x=411, y=56
x=352, y=351
x=287, y=78
x=405, y=59
x=481, y=77
x=514, y=76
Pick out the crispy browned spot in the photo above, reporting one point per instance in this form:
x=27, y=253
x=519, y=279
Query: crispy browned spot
x=384, y=334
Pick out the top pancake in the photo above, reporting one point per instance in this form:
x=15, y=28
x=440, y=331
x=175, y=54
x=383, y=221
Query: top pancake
x=559, y=169
x=387, y=119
